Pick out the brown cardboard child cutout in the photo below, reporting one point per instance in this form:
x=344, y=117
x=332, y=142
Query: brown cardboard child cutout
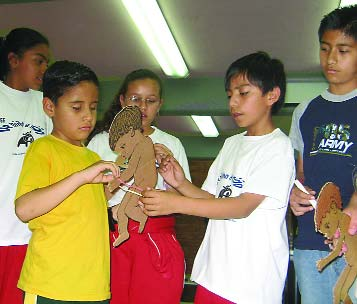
x=127, y=139
x=333, y=224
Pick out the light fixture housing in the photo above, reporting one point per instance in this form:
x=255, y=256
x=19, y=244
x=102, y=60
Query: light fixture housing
x=347, y=2
x=152, y=25
x=206, y=125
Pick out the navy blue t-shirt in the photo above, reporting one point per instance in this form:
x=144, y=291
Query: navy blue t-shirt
x=329, y=133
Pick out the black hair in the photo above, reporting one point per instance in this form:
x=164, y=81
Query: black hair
x=262, y=71
x=115, y=106
x=343, y=19
x=63, y=75
x=18, y=41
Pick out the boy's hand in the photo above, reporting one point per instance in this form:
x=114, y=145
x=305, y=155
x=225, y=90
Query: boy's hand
x=158, y=202
x=161, y=152
x=299, y=201
x=172, y=172
x=100, y=172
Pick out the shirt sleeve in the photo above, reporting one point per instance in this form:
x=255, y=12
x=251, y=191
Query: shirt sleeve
x=273, y=174
x=210, y=184
x=35, y=171
x=295, y=133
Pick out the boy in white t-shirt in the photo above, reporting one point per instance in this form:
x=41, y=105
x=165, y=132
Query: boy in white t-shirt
x=244, y=255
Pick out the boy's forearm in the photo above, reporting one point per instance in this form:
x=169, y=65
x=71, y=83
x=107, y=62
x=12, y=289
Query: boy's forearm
x=190, y=190
x=40, y=201
x=300, y=169
x=218, y=208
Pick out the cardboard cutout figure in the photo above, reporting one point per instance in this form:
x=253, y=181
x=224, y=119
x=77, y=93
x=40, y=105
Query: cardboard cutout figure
x=333, y=224
x=127, y=139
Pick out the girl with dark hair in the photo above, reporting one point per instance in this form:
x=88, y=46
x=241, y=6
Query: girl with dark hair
x=24, y=56
x=148, y=267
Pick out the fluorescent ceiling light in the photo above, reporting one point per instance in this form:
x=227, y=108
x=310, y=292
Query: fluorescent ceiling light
x=148, y=18
x=206, y=125
x=347, y=2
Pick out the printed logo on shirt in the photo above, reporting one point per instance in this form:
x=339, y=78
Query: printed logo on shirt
x=225, y=192
x=26, y=139
x=237, y=182
x=331, y=138
x=7, y=127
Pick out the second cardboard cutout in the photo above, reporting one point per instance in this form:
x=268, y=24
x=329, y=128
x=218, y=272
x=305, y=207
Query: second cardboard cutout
x=333, y=224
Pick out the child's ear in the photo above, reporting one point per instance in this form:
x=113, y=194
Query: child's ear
x=48, y=106
x=13, y=60
x=122, y=100
x=273, y=95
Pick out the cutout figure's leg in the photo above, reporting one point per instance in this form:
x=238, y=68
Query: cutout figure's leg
x=349, y=279
x=122, y=222
x=134, y=212
x=337, y=291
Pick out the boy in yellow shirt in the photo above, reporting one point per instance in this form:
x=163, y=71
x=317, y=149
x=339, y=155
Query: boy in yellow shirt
x=60, y=194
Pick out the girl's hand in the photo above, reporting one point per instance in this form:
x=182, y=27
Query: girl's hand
x=158, y=202
x=351, y=210
x=100, y=172
x=299, y=201
x=172, y=172
x=161, y=152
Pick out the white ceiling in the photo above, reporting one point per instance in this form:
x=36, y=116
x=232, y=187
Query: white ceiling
x=210, y=33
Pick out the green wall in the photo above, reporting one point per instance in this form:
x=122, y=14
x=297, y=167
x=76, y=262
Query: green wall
x=206, y=96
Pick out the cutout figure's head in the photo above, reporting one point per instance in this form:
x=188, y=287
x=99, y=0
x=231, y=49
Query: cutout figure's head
x=127, y=121
x=327, y=211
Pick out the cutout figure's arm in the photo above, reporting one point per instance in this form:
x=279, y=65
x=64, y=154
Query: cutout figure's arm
x=338, y=242
x=321, y=264
x=126, y=175
x=133, y=164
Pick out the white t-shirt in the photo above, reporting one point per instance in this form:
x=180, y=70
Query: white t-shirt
x=246, y=260
x=100, y=145
x=22, y=120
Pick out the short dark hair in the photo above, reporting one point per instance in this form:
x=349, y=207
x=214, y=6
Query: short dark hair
x=343, y=19
x=139, y=75
x=262, y=71
x=18, y=41
x=63, y=75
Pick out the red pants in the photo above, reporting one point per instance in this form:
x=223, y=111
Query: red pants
x=149, y=267
x=11, y=260
x=204, y=296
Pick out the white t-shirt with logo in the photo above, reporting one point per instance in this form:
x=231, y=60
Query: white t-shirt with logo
x=246, y=260
x=22, y=120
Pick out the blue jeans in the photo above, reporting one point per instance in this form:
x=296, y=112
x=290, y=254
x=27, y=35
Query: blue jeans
x=317, y=287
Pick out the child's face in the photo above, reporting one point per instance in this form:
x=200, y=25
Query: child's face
x=247, y=105
x=74, y=116
x=27, y=71
x=126, y=144
x=338, y=59
x=144, y=93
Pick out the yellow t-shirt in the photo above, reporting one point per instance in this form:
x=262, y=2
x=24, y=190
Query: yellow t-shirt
x=68, y=254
